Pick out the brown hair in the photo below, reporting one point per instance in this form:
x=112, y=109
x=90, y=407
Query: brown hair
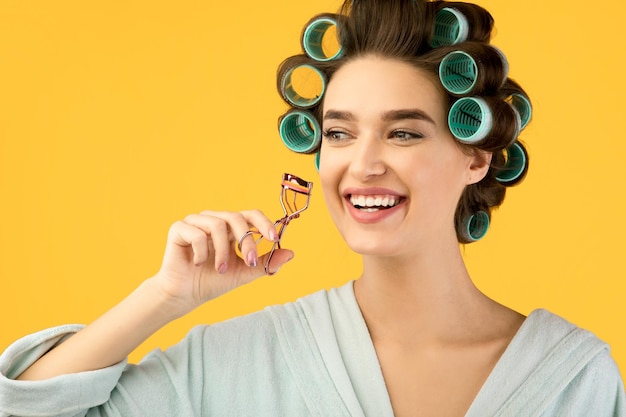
x=405, y=30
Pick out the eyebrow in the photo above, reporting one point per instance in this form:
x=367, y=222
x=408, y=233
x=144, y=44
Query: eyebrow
x=339, y=115
x=388, y=116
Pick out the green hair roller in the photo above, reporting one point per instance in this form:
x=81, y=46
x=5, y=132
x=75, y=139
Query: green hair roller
x=313, y=36
x=470, y=119
x=300, y=131
x=451, y=27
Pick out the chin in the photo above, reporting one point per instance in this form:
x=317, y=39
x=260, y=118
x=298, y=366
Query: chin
x=373, y=246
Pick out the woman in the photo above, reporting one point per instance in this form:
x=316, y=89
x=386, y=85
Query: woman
x=404, y=184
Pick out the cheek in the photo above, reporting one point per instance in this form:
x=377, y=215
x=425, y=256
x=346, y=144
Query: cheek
x=331, y=171
x=330, y=167
x=328, y=176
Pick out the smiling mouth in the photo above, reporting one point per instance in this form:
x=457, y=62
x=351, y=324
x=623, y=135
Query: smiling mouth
x=372, y=203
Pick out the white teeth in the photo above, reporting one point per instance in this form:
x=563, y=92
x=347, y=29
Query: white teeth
x=373, y=202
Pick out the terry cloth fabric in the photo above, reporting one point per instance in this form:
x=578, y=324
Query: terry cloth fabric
x=313, y=357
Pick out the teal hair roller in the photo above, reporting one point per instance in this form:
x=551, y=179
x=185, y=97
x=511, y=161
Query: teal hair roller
x=450, y=27
x=313, y=37
x=470, y=119
x=476, y=226
x=300, y=131
x=298, y=98
x=462, y=72
x=458, y=72
x=523, y=107
x=317, y=160
x=515, y=167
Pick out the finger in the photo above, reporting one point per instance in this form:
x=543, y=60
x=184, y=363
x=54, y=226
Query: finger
x=262, y=223
x=252, y=218
x=279, y=258
x=240, y=223
x=184, y=235
x=216, y=232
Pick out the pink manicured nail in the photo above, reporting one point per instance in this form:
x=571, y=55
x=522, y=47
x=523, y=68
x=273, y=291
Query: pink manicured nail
x=223, y=268
x=252, y=259
x=273, y=236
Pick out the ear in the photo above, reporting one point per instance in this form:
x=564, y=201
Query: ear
x=479, y=165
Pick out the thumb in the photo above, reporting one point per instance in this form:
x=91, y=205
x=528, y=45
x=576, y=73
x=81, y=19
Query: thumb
x=279, y=258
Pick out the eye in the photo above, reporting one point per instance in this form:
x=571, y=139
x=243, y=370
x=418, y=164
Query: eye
x=405, y=135
x=334, y=135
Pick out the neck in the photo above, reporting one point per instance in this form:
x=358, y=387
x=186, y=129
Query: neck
x=427, y=297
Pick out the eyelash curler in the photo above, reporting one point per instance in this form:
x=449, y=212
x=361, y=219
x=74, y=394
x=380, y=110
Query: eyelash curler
x=295, y=196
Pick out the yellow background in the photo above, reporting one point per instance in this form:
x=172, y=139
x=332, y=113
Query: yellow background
x=119, y=117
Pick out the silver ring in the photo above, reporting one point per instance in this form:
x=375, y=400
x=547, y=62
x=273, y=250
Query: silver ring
x=245, y=235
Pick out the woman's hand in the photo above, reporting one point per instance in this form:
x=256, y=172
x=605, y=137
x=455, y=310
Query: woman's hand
x=200, y=262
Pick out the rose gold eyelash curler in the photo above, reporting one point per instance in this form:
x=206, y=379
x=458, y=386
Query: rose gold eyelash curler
x=295, y=196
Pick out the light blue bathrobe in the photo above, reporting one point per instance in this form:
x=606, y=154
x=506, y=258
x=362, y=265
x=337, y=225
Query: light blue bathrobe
x=313, y=357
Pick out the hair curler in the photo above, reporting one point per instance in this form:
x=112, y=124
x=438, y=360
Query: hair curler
x=458, y=72
x=298, y=99
x=470, y=119
x=516, y=165
x=300, y=131
x=475, y=227
x=450, y=27
x=463, y=72
x=313, y=37
x=523, y=107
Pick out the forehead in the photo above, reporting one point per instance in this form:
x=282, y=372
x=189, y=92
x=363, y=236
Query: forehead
x=370, y=85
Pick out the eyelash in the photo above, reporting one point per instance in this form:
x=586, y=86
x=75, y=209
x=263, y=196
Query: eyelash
x=331, y=135
x=409, y=135
x=328, y=134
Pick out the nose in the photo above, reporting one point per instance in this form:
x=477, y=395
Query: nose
x=368, y=159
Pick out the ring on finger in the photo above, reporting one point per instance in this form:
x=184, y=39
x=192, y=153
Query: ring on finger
x=245, y=235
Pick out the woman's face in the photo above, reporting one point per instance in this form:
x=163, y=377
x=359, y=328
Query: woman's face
x=391, y=172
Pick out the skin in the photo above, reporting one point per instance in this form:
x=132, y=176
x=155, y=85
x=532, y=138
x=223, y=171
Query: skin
x=436, y=336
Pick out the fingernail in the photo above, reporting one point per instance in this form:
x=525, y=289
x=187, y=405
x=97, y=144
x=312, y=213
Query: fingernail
x=252, y=259
x=223, y=267
x=273, y=236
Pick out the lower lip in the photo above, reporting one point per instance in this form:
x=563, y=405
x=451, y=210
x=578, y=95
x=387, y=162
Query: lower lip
x=363, y=216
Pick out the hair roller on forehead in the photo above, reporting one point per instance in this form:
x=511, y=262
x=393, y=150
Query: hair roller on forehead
x=450, y=41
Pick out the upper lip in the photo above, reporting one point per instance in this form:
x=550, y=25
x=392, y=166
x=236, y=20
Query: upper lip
x=347, y=192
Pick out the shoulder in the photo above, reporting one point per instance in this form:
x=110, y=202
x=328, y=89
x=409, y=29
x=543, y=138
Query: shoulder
x=553, y=368
x=558, y=335
x=542, y=319
x=596, y=383
x=549, y=330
